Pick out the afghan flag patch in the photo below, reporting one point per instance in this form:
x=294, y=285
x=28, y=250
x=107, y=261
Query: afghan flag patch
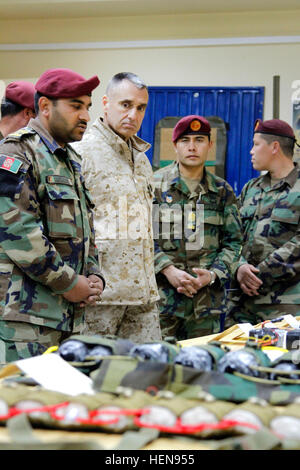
x=10, y=163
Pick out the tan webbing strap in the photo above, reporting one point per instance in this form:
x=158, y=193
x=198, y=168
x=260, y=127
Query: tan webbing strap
x=135, y=440
x=20, y=429
x=263, y=439
x=22, y=438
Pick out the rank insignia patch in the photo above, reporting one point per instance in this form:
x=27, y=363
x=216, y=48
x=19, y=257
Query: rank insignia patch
x=58, y=179
x=10, y=163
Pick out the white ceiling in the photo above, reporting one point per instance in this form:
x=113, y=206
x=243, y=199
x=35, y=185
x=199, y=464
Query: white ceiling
x=29, y=9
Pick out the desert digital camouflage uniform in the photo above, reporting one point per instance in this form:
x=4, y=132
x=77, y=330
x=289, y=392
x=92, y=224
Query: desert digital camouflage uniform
x=120, y=179
x=271, y=226
x=46, y=240
x=214, y=245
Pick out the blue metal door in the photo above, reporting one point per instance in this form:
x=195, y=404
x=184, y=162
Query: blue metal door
x=239, y=107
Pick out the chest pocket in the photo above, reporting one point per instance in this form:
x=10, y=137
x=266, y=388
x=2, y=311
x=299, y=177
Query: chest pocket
x=213, y=213
x=213, y=217
x=171, y=222
x=284, y=224
x=61, y=210
x=213, y=226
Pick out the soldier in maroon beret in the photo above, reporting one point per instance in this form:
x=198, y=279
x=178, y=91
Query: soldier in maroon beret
x=192, y=267
x=268, y=274
x=17, y=107
x=60, y=91
x=65, y=83
x=191, y=125
x=54, y=251
x=275, y=127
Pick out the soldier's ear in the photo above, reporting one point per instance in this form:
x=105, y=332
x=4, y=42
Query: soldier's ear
x=44, y=105
x=211, y=143
x=28, y=112
x=105, y=101
x=276, y=146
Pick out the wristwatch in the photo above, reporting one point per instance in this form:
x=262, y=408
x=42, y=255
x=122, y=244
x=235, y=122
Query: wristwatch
x=213, y=278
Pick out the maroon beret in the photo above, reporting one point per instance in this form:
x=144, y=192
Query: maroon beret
x=274, y=127
x=192, y=124
x=64, y=83
x=21, y=93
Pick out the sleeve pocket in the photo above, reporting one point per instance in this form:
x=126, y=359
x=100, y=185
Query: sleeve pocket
x=61, y=211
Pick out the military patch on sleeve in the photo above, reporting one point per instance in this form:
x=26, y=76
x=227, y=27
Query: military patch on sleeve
x=10, y=163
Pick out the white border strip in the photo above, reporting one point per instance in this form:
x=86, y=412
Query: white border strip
x=153, y=43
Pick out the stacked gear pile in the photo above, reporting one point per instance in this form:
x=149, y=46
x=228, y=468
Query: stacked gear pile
x=205, y=392
x=283, y=332
x=269, y=334
x=129, y=409
x=234, y=376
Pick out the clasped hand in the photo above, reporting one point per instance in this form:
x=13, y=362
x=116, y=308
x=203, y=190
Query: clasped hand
x=248, y=280
x=86, y=291
x=184, y=282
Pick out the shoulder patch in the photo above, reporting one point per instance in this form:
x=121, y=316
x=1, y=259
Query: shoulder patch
x=20, y=133
x=11, y=164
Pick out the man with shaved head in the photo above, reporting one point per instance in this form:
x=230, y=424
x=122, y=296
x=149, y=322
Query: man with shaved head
x=119, y=177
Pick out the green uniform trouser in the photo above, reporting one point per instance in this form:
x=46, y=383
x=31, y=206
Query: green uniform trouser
x=248, y=312
x=19, y=340
x=181, y=318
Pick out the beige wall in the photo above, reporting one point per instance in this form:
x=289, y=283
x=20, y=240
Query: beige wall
x=231, y=65
x=263, y=23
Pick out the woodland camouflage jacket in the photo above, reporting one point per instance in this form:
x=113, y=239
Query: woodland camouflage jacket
x=46, y=234
x=271, y=226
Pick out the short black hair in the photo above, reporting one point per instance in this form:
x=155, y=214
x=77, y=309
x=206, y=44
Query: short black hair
x=37, y=96
x=10, y=108
x=286, y=143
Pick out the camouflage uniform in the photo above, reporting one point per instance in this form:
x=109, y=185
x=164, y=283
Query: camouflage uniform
x=45, y=241
x=216, y=248
x=271, y=225
x=120, y=179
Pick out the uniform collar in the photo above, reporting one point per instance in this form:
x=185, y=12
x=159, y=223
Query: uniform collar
x=47, y=138
x=289, y=180
x=135, y=142
x=174, y=179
